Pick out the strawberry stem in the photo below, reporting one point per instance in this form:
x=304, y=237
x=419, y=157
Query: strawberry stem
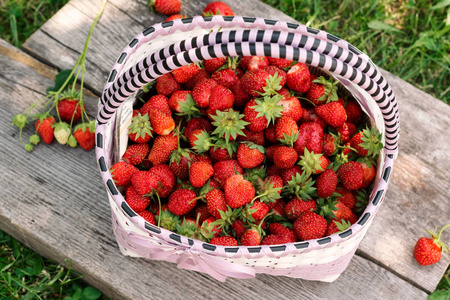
x=159, y=209
x=442, y=230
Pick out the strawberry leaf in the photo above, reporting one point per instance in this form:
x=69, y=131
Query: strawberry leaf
x=60, y=79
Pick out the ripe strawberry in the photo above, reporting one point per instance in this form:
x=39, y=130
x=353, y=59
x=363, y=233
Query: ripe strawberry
x=258, y=62
x=217, y=8
x=144, y=182
x=346, y=131
x=369, y=173
x=310, y=226
x=299, y=78
x=136, y=201
x=215, y=201
x=140, y=130
x=184, y=73
x=254, y=81
x=224, y=241
x=310, y=115
x=167, y=179
x=166, y=85
x=211, y=65
x=367, y=142
x=250, y=136
x=251, y=237
x=260, y=210
x=135, y=153
x=224, y=169
x=210, y=229
x=174, y=17
x=201, y=75
x=238, y=191
x=238, y=228
x=351, y=174
x=297, y=206
x=286, y=130
x=225, y=77
x=177, y=99
x=354, y=112
x=148, y=216
x=337, y=226
x=329, y=144
x=282, y=233
x=201, y=212
x=270, y=134
x=166, y=7
x=241, y=97
x=346, y=198
x=163, y=124
x=287, y=174
x=291, y=108
x=285, y=157
x=202, y=92
x=249, y=155
x=162, y=148
x=45, y=129
x=256, y=123
x=278, y=208
x=85, y=135
x=326, y=183
x=182, y=201
x=280, y=62
x=197, y=123
x=428, y=251
x=221, y=98
x=313, y=163
x=322, y=91
x=70, y=108
x=160, y=102
x=333, y=113
x=200, y=173
x=121, y=172
x=180, y=160
x=310, y=136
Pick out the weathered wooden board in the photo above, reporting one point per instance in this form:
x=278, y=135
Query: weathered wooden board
x=54, y=201
x=416, y=198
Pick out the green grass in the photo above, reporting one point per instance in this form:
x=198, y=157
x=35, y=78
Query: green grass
x=410, y=39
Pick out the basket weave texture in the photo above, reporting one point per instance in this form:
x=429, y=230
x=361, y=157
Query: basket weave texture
x=168, y=46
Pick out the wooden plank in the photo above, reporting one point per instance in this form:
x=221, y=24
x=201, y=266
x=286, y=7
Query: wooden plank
x=55, y=202
x=414, y=179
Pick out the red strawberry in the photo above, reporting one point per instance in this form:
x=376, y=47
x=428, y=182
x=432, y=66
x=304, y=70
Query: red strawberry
x=70, y=109
x=144, y=182
x=310, y=115
x=167, y=179
x=197, y=123
x=251, y=237
x=163, y=124
x=85, y=135
x=136, y=201
x=257, y=124
x=367, y=142
x=238, y=228
x=200, y=173
x=322, y=91
x=178, y=98
x=201, y=212
x=282, y=233
x=270, y=134
x=179, y=164
x=369, y=173
x=346, y=131
x=273, y=70
x=329, y=145
x=136, y=153
x=221, y=154
x=45, y=129
x=344, y=213
x=333, y=113
x=148, y=216
x=287, y=174
x=241, y=97
x=270, y=151
x=174, y=17
x=285, y=157
x=215, y=201
x=280, y=62
x=140, y=130
x=260, y=210
x=157, y=102
x=224, y=241
x=254, y=81
x=184, y=73
x=166, y=84
x=337, y=226
x=224, y=169
x=209, y=229
x=182, y=201
x=225, y=77
x=249, y=155
x=162, y=148
x=250, y=136
x=257, y=62
x=326, y=183
x=296, y=206
x=346, y=198
x=220, y=98
x=201, y=75
x=351, y=174
x=217, y=8
x=299, y=78
x=238, y=191
x=310, y=226
x=286, y=130
x=310, y=136
x=428, y=251
x=202, y=92
x=121, y=172
x=354, y=112
x=211, y=65
x=291, y=108
x=166, y=7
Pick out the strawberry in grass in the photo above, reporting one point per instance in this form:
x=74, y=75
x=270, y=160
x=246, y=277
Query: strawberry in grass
x=428, y=251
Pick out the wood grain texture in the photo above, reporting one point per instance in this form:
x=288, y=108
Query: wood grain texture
x=417, y=195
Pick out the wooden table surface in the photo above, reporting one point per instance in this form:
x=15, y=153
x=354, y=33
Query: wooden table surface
x=54, y=201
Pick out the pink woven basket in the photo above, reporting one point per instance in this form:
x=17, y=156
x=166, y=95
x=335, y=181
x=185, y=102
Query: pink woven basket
x=170, y=45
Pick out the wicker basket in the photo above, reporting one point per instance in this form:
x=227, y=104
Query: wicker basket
x=170, y=45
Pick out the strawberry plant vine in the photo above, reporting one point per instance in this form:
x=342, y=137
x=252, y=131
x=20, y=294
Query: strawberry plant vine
x=65, y=100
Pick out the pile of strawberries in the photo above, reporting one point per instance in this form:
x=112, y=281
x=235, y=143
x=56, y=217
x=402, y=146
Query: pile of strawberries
x=248, y=151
